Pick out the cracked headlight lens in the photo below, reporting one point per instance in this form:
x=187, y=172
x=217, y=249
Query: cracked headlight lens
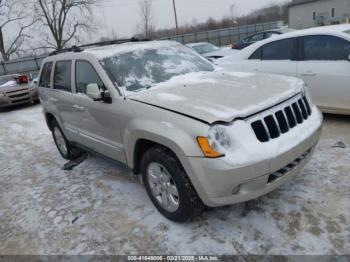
x=216, y=143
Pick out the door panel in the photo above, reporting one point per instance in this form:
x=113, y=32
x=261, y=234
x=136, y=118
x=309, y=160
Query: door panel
x=288, y=68
x=324, y=66
x=99, y=126
x=61, y=98
x=99, y=122
x=62, y=102
x=328, y=81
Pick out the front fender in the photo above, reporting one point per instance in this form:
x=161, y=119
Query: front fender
x=182, y=143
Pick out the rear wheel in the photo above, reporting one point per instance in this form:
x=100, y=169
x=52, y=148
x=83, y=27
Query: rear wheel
x=168, y=185
x=66, y=150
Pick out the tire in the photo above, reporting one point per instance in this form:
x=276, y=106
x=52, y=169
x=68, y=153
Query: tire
x=65, y=148
x=188, y=204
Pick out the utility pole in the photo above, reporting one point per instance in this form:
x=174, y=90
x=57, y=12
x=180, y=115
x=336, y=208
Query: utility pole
x=232, y=13
x=234, y=22
x=175, y=14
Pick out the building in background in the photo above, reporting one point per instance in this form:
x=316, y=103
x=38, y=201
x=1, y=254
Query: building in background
x=310, y=13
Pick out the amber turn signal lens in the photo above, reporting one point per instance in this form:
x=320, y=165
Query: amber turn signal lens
x=207, y=150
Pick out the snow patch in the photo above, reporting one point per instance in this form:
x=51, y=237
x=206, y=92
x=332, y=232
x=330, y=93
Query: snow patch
x=170, y=97
x=240, y=74
x=9, y=83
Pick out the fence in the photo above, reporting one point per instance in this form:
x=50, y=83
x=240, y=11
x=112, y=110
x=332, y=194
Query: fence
x=22, y=65
x=225, y=36
x=219, y=37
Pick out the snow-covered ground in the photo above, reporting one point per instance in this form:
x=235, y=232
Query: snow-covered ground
x=99, y=209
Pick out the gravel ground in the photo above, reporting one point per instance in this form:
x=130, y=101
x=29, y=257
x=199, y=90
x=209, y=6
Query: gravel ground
x=99, y=209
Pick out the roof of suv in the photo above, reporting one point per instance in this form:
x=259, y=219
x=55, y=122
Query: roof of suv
x=104, y=51
x=101, y=52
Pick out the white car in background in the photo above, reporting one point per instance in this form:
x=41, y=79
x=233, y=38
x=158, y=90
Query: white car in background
x=211, y=51
x=320, y=56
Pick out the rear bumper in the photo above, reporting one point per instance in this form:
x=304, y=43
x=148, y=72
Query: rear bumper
x=221, y=182
x=22, y=98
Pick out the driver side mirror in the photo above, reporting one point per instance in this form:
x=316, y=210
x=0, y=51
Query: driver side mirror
x=93, y=91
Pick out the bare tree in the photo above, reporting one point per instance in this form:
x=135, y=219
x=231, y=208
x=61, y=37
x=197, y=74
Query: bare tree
x=147, y=23
x=14, y=22
x=64, y=19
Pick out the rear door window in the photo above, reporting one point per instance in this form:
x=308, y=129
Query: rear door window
x=326, y=48
x=46, y=75
x=279, y=50
x=62, y=76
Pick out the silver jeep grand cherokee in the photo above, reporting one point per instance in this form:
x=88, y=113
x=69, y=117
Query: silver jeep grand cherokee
x=198, y=135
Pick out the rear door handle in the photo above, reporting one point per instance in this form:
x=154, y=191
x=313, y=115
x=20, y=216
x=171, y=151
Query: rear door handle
x=54, y=100
x=308, y=73
x=79, y=108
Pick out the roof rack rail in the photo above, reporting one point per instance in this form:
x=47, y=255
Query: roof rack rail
x=74, y=48
x=80, y=48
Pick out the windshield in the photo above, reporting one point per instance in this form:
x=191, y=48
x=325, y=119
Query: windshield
x=205, y=48
x=142, y=69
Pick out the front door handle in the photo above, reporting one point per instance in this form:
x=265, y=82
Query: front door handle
x=79, y=108
x=308, y=73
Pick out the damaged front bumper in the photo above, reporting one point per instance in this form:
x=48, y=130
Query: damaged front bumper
x=235, y=179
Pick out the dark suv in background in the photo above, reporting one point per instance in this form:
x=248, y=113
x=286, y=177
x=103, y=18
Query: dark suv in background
x=260, y=36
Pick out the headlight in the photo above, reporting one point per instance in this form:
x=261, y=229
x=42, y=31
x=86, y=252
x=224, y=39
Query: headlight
x=217, y=142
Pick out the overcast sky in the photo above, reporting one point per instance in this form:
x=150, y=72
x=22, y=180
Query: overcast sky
x=122, y=16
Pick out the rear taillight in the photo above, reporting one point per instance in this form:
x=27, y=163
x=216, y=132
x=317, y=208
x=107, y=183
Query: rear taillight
x=23, y=79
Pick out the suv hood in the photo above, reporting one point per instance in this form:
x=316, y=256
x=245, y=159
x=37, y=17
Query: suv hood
x=220, y=96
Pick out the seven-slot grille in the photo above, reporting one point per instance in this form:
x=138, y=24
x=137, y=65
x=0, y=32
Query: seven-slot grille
x=281, y=121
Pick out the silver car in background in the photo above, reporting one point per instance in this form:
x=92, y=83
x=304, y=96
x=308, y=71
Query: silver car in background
x=16, y=90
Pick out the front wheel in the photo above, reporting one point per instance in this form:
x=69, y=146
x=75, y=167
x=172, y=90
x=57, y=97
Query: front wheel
x=66, y=150
x=168, y=185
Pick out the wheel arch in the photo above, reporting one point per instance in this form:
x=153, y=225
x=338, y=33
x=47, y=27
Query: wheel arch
x=142, y=145
x=49, y=119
